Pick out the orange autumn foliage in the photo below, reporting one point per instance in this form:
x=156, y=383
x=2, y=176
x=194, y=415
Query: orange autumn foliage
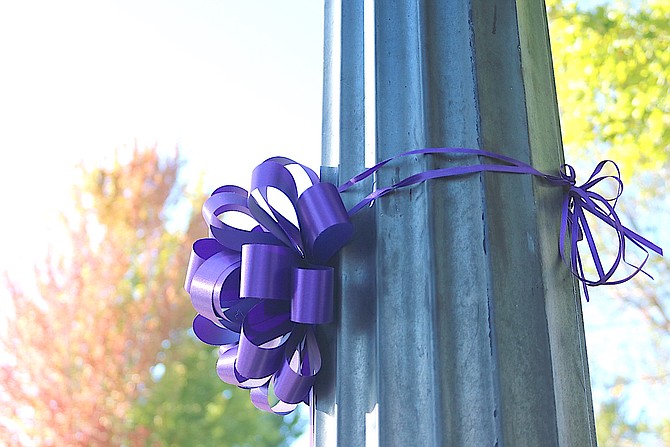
x=81, y=348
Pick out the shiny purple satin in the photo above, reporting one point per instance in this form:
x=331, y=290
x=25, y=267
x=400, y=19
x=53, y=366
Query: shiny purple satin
x=260, y=292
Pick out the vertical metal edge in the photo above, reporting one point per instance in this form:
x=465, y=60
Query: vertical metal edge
x=574, y=405
x=357, y=367
x=351, y=388
x=464, y=346
x=435, y=382
x=330, y=126
x=324, y=397
x=406, y=397
x=323, y=418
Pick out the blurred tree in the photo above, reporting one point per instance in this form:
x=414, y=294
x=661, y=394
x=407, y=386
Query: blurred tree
x=612, y=71
x=612, y=428
x=615, y=428
x=81, y=350
x=184, y=408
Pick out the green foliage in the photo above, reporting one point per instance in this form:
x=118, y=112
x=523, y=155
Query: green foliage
x=664, y=431
x=189, y=405
x=612, y=71
x=612, y=427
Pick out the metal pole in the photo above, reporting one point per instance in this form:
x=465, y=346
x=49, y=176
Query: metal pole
x=347, y=391
x=457, y=324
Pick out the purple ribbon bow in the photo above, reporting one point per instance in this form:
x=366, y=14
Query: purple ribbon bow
x=260, y=292
x=578, y=202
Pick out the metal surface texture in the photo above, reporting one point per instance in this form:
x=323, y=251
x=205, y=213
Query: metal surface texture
x=457, y=324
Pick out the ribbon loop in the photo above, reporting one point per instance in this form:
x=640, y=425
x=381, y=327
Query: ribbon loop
x=213, y=280
x=568, y=174
x=272, y=175
x=260, y=398
x=259, y=361
x=225, y=369
x=211, y=333
x=312, y=297
x=324, y=221
x=265, y=331
x=581, y=200
x=266, y=271
x=202, y=250
x=299, y=370
x=232, y=198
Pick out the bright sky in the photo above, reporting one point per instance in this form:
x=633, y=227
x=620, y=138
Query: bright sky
x=228, y=82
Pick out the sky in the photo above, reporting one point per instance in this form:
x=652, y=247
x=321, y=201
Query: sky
x=229, y=83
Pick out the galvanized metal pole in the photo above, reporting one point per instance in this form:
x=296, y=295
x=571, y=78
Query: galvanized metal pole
x=457, y=323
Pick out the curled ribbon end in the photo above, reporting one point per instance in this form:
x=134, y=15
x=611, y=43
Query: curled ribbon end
x=324, y=221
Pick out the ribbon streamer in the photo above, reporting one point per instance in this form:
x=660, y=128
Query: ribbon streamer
x=577, y=202
x=259, y=293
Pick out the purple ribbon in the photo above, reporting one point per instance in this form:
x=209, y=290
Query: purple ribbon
x=260, y=292
x=578, y=203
